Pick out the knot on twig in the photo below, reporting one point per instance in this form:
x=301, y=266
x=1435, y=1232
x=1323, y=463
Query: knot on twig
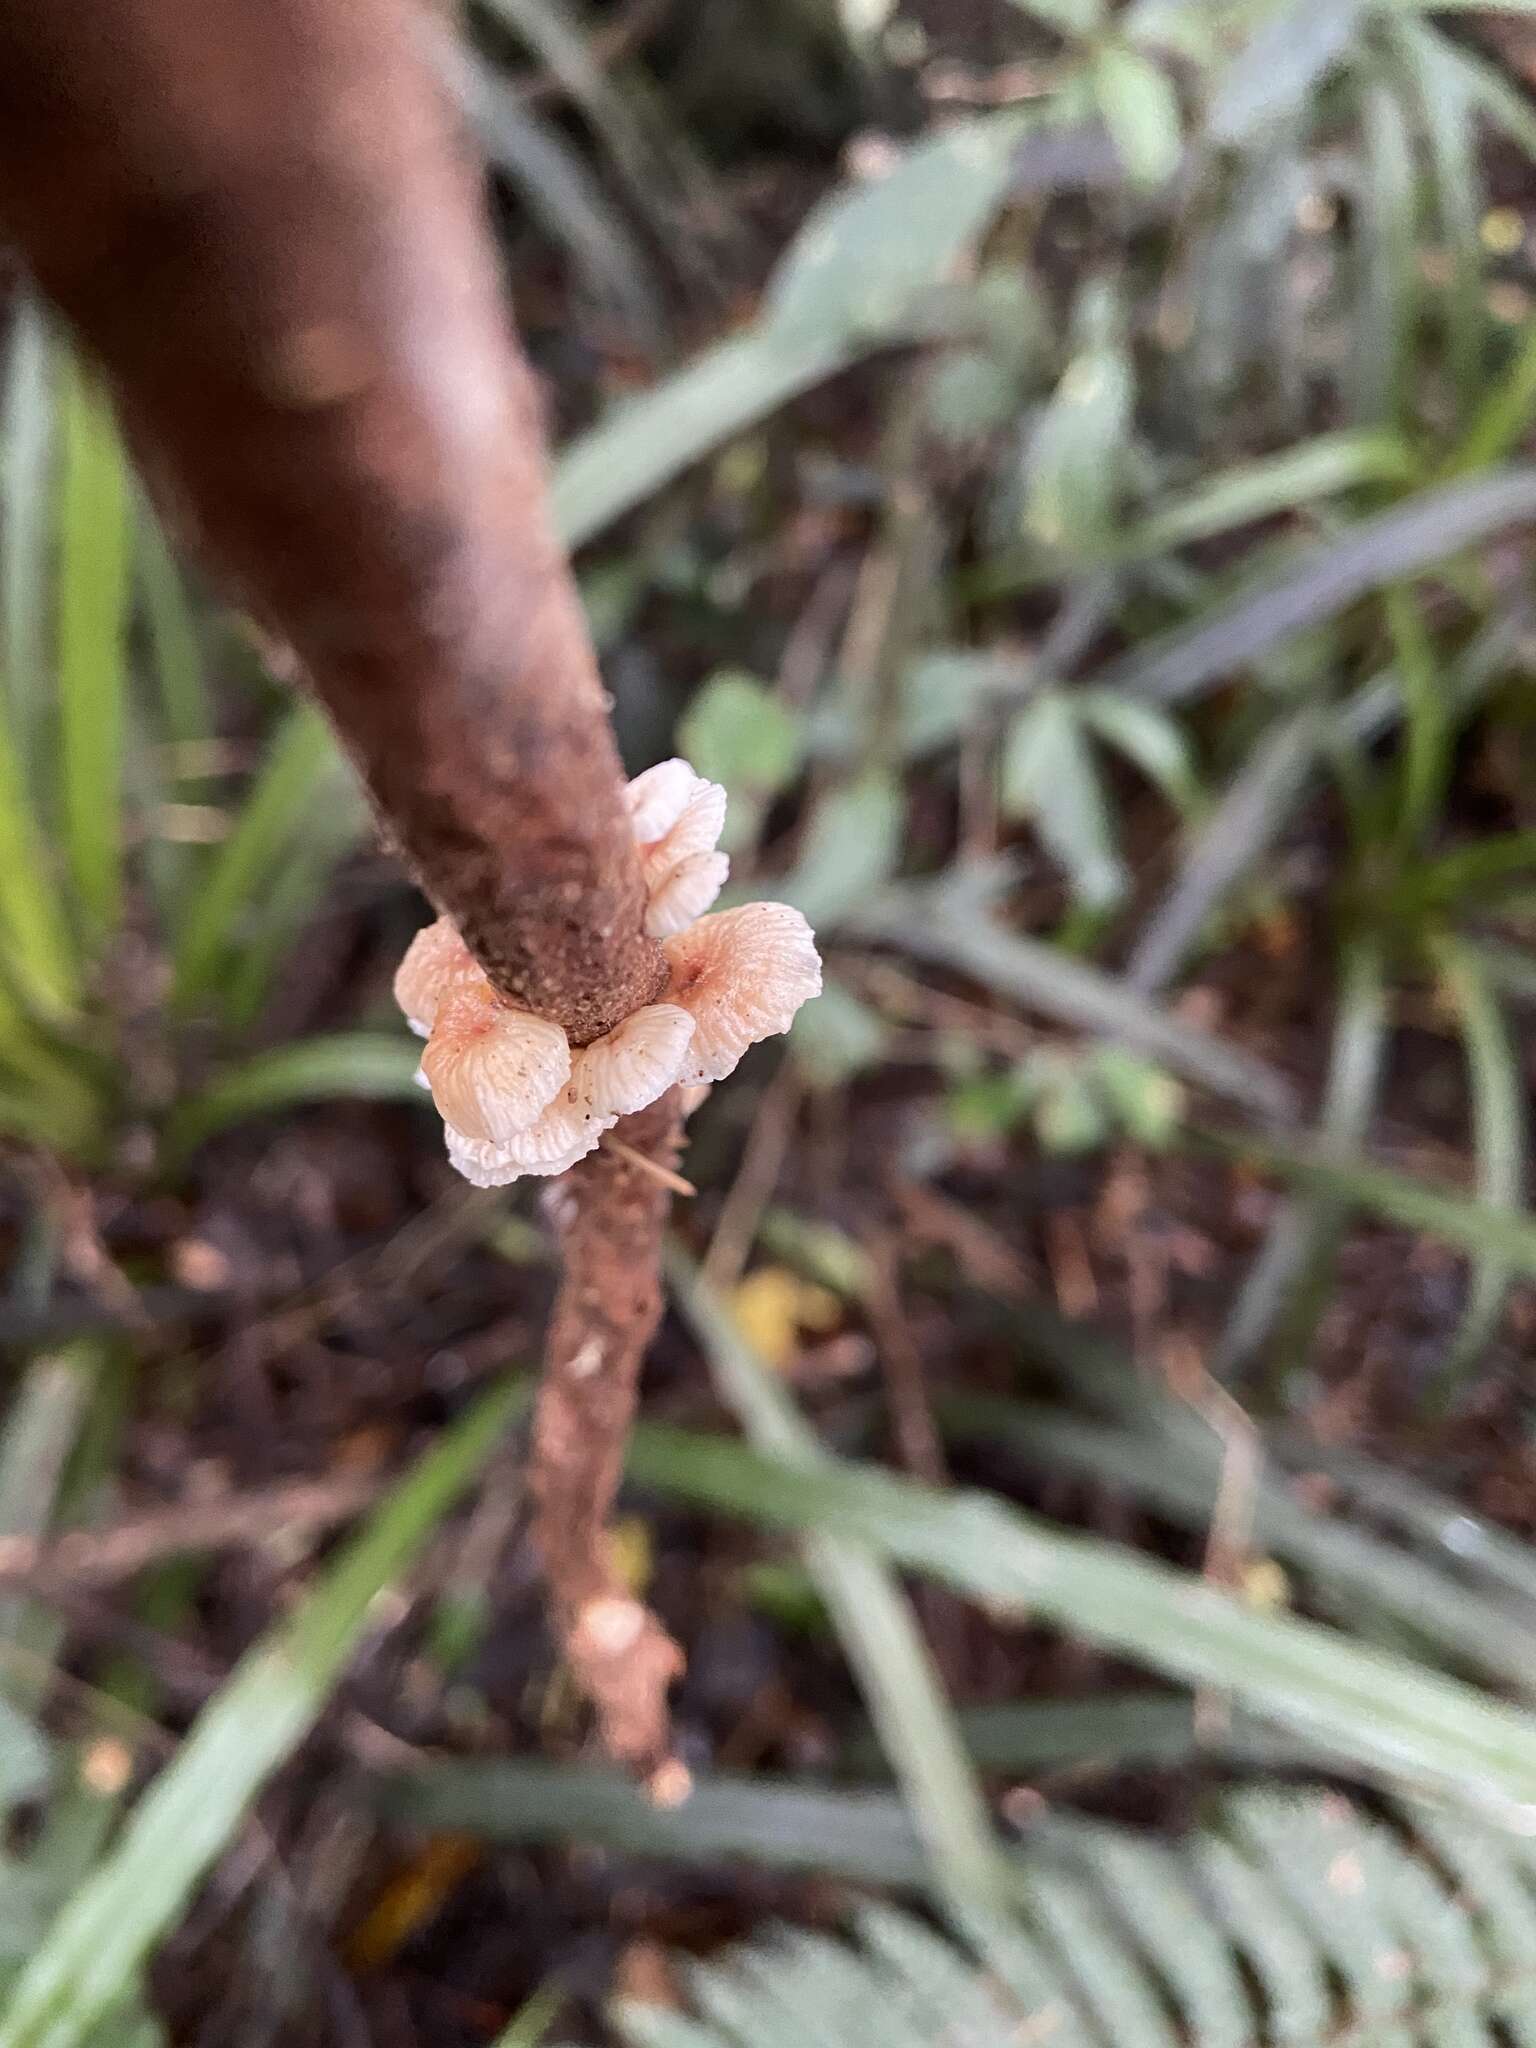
x=515, y=1097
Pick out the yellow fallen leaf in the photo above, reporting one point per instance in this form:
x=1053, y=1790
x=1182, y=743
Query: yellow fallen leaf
x=774, y=1307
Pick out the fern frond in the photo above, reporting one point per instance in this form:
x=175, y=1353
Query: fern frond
x=1292, y=1920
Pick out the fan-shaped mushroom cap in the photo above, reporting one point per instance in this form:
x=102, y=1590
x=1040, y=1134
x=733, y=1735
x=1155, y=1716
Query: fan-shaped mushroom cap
x=635, y=1064
x=695, y=829
x=436, y=961
x=678, y=817
x=493, y=1070
x=557, y=1141
x=658, y=798
x=741, y=975
x=684, y=893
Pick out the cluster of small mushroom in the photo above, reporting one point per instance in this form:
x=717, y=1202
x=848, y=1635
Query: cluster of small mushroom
x=515, y=1097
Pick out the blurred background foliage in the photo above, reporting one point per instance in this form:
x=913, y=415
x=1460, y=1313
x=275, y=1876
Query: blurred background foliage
x=1065, y=467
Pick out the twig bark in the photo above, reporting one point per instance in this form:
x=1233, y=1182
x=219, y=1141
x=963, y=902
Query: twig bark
x=266, y=225
x=609, y=1214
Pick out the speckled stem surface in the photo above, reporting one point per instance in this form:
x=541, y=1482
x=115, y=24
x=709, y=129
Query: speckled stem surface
x=265, y=223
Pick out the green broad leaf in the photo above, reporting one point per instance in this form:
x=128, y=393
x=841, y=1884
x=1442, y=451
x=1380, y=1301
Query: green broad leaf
x=1388, y=237
x=852, y=846
x=944, y=692
x=90, y=1957
x=1076, y=466
x=867, y=256
x=1141, y=111
x=737, y=732
x=175, y=642
x=1069, y=17
x=1277, y=70
x=1148, y=738
x=644, y=442
x=94, y=536
x=1147, y=1103
x=861, y=274
x=1049, y=778
x=364, y=1065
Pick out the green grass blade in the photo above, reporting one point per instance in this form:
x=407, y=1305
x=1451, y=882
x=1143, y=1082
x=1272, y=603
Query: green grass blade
x=39, y=954
x=853, y=281
x=1324, y=580
x=27, y=428
x=40, y=1431
x=299, y=759
x=529, y=2027
x=1454, y=149
x=951, y=924
x=1501, y=1146
x=1229, y=844
x=866, y=1836
x=1382, y=1712
x=901, y=1685
x=1389, y=284
x=647, y=441
x=185, y=711
x=1324, y=467
x=93, y=598
x=91, y=1955
x=1286, y=1288
x=365, y=1065
x=1471, y=1226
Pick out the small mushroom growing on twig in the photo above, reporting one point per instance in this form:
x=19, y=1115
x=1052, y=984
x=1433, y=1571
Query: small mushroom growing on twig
x=516, y=1098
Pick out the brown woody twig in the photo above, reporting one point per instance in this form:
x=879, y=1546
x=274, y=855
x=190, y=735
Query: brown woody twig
x=266, y=225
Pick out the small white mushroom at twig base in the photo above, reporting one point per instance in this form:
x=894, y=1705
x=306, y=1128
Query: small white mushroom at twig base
x=637, y=1061
x=626, y=1070
x=436, y=961
x=685, y=893
x=742, y=975
x=493, y=1070
x=555, y=1143
x=658, y=798
x=677, y=818
x=516, y=1099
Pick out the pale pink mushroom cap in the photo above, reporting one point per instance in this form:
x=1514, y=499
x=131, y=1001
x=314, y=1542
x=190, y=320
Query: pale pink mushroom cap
x=436, y=961
x=742, y=975
x=493, y=1070
x=677, y=818
x=658, y=798
x=514, y=1097
x=684, y=893
x=636, y=1063
x=628, y=1069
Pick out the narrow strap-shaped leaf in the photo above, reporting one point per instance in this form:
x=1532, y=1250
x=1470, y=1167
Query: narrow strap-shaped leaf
x=906, y=1700
x=93, y=599
x=93, y=1951
x=1501, y=1145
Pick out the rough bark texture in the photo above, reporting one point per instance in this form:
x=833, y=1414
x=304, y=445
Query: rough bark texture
x=609, y=1214
x=264, y=222
x=260, y=216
